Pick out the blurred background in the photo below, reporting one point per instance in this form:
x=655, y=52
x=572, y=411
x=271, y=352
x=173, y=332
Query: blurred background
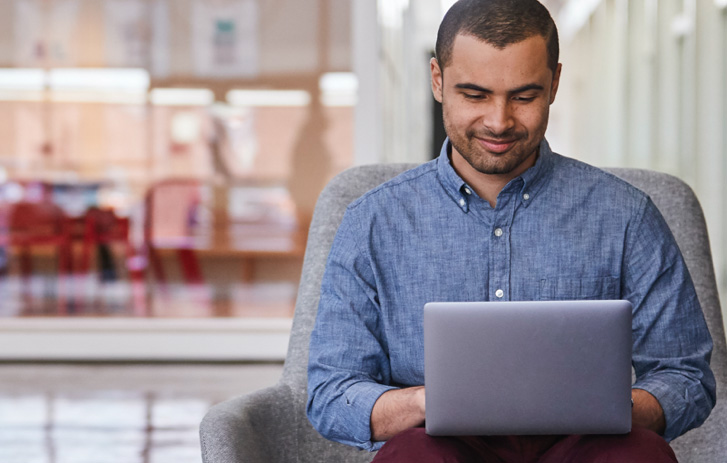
x=160, y=160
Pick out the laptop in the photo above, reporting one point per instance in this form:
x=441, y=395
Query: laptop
x=527, y=368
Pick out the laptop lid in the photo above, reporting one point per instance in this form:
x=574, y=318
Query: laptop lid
x=527, y=368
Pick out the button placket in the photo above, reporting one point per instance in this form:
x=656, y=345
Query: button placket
x=499, y=258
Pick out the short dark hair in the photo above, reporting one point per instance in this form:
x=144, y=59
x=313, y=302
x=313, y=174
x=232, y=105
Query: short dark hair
x=499, y=23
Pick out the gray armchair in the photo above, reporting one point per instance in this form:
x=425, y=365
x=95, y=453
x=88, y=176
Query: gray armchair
x=271, y=426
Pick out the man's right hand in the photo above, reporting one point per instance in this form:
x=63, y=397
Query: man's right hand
x=397, y=410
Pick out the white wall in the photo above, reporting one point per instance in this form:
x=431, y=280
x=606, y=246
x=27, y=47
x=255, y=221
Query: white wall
x=392, y=41
x=644, y=85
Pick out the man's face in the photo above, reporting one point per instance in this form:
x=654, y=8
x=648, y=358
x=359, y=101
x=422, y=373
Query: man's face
x=496, y=102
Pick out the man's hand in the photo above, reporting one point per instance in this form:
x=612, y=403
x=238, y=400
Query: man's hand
x=401, y=409
x=647, y=412
x=396, y=411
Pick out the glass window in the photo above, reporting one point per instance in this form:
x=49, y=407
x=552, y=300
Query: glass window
x=143, y=174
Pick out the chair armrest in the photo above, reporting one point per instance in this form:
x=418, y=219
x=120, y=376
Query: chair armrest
x=707, y=443
x=250, y=428
x=268, y=426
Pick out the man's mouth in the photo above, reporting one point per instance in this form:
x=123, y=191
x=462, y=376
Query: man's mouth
x=496, y=146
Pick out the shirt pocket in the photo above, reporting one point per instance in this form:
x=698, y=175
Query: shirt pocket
x=564, y=289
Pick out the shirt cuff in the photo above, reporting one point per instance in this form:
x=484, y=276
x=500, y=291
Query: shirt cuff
x=674, y=404
x=361, y=398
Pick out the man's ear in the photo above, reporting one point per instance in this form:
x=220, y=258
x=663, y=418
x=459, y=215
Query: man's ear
x=436, y=79
x=555, y=83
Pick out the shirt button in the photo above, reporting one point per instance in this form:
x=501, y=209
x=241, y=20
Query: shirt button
x=526, y=196
x=498, y=232
x=462, y=202
x=468, y=191
x=499, y=293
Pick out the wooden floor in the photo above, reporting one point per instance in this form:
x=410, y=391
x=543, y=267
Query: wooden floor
x=47, y=296
x=106, y=413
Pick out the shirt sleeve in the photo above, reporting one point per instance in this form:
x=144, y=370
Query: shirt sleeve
x=672, y=346
x=348, y=367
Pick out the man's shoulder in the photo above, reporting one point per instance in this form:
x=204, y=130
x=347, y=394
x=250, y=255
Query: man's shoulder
x=574, y=174
x=399, y=187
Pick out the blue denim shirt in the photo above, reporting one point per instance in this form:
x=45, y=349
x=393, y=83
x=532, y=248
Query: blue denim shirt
x=562, y=230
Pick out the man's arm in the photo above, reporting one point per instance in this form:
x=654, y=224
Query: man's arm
x=396, y=411
x=647, y=412
x=348, y=368
x=672, y=345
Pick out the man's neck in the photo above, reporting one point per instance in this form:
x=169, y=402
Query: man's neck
x=487, y=186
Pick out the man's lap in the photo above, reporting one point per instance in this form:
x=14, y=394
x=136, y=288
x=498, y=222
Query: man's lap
x=641, y=445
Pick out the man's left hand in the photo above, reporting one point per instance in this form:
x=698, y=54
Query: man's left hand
x=647, y=412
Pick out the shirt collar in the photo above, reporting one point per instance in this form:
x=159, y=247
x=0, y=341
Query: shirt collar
x=537, y=176
x=527, y=185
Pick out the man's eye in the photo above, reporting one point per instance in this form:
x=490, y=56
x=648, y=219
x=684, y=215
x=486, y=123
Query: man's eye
x=524, y=98
x=471, y=96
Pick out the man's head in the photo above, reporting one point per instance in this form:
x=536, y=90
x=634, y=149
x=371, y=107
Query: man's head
x=496, y=74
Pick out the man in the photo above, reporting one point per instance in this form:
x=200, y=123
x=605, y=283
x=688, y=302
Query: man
x=499, y=216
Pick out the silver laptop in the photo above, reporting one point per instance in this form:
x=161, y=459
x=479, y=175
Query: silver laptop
x=527, y=368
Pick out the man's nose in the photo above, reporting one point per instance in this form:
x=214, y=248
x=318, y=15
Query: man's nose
x=499, y=118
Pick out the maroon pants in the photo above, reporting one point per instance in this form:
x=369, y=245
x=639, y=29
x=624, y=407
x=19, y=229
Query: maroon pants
x=639, y=446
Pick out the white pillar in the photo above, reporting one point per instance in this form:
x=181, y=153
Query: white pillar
x=367, y=138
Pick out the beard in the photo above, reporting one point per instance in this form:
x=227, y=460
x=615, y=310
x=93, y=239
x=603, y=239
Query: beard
x=490, y=163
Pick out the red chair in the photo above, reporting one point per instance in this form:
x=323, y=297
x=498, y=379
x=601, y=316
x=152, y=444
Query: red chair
x=42, y=224
x=170, y=223
x=102, y=228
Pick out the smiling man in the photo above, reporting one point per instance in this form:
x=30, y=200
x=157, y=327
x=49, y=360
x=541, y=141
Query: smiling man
x=499, y=216
x=496, y=103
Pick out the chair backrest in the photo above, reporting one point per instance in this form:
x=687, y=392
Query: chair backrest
x=681, y=210
x=102, y=227
x=674, y=199
x=169, y=208
x=31, y=223
x=336, y=196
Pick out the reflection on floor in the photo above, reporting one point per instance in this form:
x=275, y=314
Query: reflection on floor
x=114, y=413
x=88, y=296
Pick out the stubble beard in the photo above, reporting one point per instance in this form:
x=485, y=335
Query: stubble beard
x=489, y=163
